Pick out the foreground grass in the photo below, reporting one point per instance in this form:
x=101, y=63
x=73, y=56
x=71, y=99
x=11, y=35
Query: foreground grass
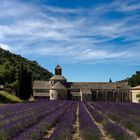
x=6, y=97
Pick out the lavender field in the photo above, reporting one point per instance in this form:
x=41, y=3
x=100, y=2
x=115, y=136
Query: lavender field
x=70, y=120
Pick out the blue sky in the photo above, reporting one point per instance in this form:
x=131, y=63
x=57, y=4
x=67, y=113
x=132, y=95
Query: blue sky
x=93, y=40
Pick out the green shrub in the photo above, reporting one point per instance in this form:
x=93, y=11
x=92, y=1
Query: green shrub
x=138, y=95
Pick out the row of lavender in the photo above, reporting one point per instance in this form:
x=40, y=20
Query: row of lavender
x=88, y=129
x=111, y=127
x=33, y=121
x=126, y=114
x=42, y=127
x=15, y=118
x=65, y=125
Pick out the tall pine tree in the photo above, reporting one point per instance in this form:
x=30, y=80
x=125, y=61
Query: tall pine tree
x=24, y=90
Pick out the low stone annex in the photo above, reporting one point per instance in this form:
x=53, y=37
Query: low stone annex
x=135, y=91
x=57, y=88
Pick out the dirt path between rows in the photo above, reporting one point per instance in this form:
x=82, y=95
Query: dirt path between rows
x=76, y=135
x=127, y=130
x=105, y=136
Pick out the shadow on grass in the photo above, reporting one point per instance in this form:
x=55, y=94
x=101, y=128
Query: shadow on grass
x=6, y=100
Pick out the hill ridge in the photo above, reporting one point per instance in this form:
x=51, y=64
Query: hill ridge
x=10, y=64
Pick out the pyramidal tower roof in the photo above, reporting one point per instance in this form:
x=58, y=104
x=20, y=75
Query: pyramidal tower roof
x=58, y=67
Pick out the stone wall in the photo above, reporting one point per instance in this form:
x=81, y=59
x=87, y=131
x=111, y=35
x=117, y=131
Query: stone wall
x=134, y=96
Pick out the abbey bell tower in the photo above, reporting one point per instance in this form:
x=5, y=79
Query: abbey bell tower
x=58, y=70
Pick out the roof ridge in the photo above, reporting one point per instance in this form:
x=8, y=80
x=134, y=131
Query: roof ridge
x=58, y=66
x=58, y=85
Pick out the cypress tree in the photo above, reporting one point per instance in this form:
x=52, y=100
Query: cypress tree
x=110, y=80
x=24, y=83
x=20, y=75
x=28, y=85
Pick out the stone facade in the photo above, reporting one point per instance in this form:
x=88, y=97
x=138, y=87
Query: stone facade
x=58, y=88
x=135, y=91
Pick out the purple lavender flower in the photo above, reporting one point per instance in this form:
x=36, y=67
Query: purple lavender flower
x=38, y=130
x=88, y=128
x=65, y=124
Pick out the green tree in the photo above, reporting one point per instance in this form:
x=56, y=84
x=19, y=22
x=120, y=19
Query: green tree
x=10, y=65
x=135, y=79
x=24, y=90
x=7, y=73
x=110, y=80
x=138, y=96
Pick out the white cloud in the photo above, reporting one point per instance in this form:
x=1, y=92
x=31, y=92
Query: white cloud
x=14, y=9
x=62, y=10
x=129, y=6
x=5, y=46
x=50, y=31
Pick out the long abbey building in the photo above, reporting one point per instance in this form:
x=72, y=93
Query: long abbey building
x=57, y=88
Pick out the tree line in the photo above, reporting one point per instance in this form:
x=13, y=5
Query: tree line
x=9, y=67
x=17, y=73
x=134, y=80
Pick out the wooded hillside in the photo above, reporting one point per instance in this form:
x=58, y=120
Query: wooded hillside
x=10, y=64
x=135, y=79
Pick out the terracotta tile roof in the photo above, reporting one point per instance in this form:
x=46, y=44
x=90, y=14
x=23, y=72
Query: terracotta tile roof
x=81, y=85
x=135, y=88
x=93, y=85
x=41, y=85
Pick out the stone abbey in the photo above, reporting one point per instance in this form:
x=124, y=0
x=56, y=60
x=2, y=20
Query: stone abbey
x=57, y=88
